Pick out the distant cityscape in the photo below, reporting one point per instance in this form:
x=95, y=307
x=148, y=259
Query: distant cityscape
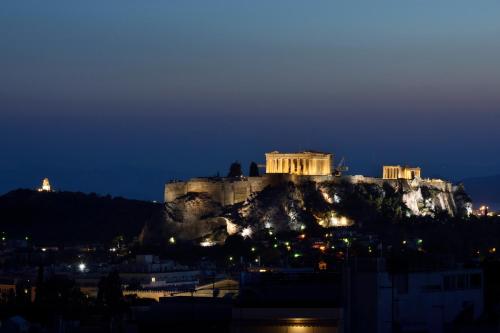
x=302, y=246
x=249, y=166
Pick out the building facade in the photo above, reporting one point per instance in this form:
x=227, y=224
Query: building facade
x=305, y=163
x=427, y=299
x=400, y=172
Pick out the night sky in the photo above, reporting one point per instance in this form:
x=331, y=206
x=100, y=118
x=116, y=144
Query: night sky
x=120, y=96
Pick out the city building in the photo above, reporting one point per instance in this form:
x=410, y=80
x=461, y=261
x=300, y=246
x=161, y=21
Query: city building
x=420, y=299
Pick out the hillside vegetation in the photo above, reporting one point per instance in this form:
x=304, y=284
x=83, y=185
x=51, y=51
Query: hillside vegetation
x=73, y=217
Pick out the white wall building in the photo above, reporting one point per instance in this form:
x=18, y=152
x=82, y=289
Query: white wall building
x=418, y=301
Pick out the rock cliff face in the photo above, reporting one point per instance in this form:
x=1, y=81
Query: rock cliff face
x=313, y=205
x=424, y=198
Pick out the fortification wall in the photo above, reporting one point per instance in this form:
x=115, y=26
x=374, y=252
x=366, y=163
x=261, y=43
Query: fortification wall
x=174, y=190
x=226, y=191
x=214, y=189
x=359, y=179
x=438, y=184
x=229, y=191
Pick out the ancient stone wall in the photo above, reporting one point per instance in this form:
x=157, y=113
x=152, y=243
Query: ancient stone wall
x=226, y=191
x=230, y=191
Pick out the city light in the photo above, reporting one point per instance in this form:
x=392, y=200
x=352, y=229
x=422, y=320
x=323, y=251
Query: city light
x=82, y=267
x=171, y=240
x=246, y=232
x=207, y=243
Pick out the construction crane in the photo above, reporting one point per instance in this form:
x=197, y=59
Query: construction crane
x=341, y=167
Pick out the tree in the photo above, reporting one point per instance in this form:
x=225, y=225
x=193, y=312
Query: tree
x=254, y=170
x=235, y=170
x=110, y=292
x=110, y=295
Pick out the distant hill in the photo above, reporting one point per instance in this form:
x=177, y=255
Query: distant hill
x=484, y=190
x=73, y=217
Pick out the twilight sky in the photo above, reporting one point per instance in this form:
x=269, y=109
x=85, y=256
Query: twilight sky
x=120, y=96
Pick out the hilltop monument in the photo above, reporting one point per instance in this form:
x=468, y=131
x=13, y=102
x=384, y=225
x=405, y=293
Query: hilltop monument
x=401, y=172
x=307, y=163
x=45, y=186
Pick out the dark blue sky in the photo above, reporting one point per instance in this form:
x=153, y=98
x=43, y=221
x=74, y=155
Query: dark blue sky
x=119, y=96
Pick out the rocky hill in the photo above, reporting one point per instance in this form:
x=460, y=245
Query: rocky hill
x=73, y=217
x=295, y=206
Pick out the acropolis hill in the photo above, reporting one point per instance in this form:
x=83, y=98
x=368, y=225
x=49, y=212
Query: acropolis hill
x=299, y=167
x=305, y=187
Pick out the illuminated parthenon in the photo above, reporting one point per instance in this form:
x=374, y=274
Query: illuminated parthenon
x=303, y=163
